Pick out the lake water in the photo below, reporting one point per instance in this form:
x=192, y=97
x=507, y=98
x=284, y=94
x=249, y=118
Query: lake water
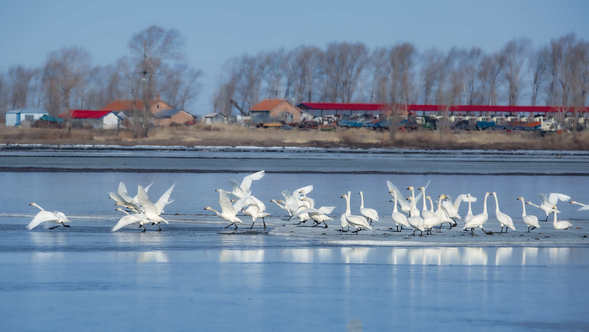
x=195, y=276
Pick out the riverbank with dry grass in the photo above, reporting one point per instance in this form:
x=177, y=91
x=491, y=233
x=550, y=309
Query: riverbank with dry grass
x=234, y=135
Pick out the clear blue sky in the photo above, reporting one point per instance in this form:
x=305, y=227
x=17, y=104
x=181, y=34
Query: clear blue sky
x=217, y=30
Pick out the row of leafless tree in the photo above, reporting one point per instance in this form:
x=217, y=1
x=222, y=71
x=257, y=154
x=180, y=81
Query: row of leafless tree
x=155, y=67
x=518, y=73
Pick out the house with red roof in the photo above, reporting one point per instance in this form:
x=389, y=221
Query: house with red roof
x=97, y=119
x=274, y=110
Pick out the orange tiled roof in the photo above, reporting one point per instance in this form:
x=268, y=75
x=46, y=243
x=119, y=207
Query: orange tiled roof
x=267, y=104
x=125, y=105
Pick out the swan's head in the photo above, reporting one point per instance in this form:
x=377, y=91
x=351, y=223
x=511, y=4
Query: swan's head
x=208, y=208
x=554, y=209
x=574, y=202
x=494, y=194
x=410, y=188
x=421, y=188
x=343, y=196
x=443, y=196
x=520, y=198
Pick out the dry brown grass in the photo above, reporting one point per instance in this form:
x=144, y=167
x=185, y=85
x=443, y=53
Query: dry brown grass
x=233, y=135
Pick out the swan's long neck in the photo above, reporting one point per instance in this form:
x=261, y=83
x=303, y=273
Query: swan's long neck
x=534, y=205
x=469, y=207
x=431, y=204
x=555, y=218
x=348, y=211
x=424, y=207
x=395, y=202
x=37, y=206
x=523, y=207
x=485, y=205
x=215, y=211
x=458, y=201
x=496, y=202
x=361, y=200
x=439, y=203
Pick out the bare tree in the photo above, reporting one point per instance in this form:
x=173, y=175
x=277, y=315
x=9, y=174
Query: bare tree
x=514, y=55
x=343, y=64
x=491, y=68
x=20, y=79
x=151, y=49
x=65, y=70
x=538, y=64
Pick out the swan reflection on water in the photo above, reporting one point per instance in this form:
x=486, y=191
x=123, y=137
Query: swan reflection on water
x=241, y=256
x=156, y=256
x=354, y=254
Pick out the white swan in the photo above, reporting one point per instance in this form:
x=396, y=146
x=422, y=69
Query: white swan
x=425, y=213
x=254, y=208
x=369, y=213
x=453, y=208
x=228, y=212
x=562, y=224
x=415, y=220
x=43, y=216
x=344, y=223
x=123, y=199
x=152, y=211
x=359, y=222
x=320, y=215
x=442, y=213
x=583, y=207
x=477, y=221
x=469, y=199
x=530, y=220
x=243, y=189
x=549, y=201
x=404, y=205
x=437, y=217
x=130, y=219
x=399, y=218
x=504, y=220
x=292, y=201
x=147, y=211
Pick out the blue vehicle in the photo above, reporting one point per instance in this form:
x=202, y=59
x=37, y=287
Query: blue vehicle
x=482, y=125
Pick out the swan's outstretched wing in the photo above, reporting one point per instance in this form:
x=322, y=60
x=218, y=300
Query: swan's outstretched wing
x=326, y=209
x=303, y=191
x=553, y=198
x=127, y=220
x=225, y=203
x=164, y=199
x=142, y=196
x=148, y=186
x=246, y=183
x=405, y=205
x=122, y=191
x=244, y=202
x=40, y=218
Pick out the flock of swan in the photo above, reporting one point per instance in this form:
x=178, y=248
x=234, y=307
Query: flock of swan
x=301, y=208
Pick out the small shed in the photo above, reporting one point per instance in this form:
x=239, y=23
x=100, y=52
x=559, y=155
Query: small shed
x=275, y=110
x=214, y=118
x=23, y=117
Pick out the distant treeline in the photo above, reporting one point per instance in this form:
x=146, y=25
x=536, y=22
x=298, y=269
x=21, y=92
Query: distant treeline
x=553, y=74
x=68, y=80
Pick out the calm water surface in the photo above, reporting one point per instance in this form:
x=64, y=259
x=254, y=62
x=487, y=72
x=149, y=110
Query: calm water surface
x=190, y=277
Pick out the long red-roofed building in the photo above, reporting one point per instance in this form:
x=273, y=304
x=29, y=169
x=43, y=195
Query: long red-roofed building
x=103, y=119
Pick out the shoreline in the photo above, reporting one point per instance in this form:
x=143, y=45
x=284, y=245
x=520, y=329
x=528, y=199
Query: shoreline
x=238, y=137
